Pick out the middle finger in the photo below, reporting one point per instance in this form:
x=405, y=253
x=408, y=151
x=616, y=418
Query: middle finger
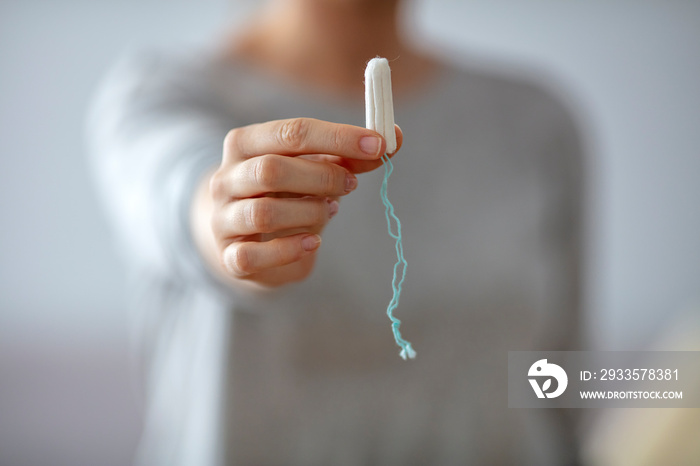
x=277, y=174
x=268, y=215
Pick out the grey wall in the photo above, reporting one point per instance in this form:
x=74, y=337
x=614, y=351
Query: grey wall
x=632, y=68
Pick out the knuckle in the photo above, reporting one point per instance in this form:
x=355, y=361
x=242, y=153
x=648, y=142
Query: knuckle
x=238, y=260
x=223, y=222
x=217, y=185
x=337, y=139
x=231, y=139
x=259, y=215
x=329, y=180
x=321, y=211
x=216, y=225
x=268, y=172
x=292, y=133
x=317, y=215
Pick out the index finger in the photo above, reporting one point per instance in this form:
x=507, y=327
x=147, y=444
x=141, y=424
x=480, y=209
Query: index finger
x=299, y=136
x=357, y=166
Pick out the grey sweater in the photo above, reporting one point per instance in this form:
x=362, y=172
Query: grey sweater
x=488, y=188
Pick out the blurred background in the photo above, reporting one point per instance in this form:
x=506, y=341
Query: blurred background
x=630, y=70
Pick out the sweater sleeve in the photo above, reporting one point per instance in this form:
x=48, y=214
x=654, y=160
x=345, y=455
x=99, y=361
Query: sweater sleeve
x=153, y=132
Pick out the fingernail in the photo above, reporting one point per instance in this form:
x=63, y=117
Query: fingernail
x=333, y=207
x=370, y=145
x=350, y=182
x=311, y=242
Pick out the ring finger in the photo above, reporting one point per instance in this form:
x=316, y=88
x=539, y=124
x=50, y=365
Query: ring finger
x=268, y=215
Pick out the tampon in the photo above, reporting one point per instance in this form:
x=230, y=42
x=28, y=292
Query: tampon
x=379, y=103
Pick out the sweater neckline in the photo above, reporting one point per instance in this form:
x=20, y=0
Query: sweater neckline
x=296, y=92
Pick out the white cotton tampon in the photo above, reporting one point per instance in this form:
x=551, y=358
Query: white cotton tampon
x=379, y=103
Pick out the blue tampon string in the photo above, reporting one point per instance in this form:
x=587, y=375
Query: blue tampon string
x=400, y=266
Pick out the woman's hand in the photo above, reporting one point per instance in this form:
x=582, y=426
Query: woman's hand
x=278, y=185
